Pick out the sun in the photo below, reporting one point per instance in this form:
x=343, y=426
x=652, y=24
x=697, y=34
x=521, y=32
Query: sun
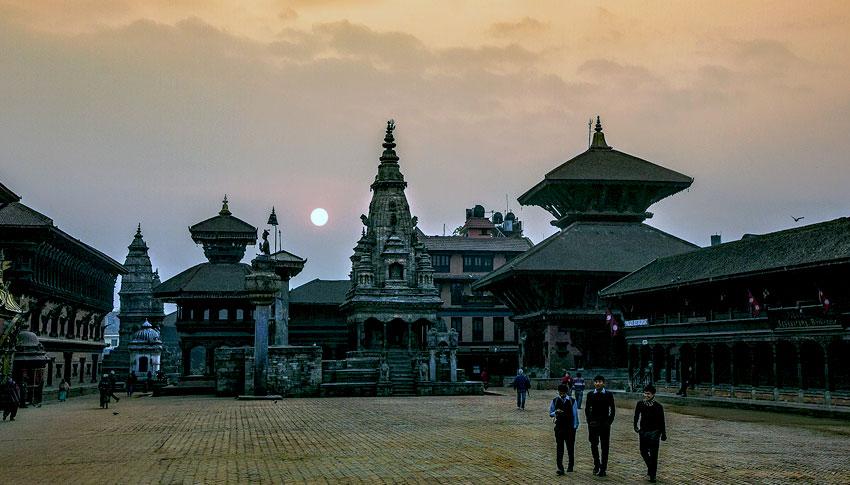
x=319, y=217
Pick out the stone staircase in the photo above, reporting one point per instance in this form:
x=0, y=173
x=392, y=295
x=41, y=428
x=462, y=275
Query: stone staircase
x=401, y=372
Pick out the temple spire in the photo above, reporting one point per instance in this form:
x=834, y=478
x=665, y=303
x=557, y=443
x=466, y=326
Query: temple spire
x=225, y=211
x=599, y=137
x=139, y=230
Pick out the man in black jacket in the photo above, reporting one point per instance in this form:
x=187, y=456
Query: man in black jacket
x=650, y=414
x=599, y=412
x=564, y=413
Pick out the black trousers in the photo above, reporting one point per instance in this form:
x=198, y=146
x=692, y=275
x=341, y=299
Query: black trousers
x=597, y=434
x=567, y=436
x=649, y=452
x=10, y=409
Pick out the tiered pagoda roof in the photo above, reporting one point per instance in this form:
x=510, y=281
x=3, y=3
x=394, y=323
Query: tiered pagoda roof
x=603, y=184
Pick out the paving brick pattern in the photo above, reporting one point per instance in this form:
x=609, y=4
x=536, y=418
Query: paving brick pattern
x=474, y=439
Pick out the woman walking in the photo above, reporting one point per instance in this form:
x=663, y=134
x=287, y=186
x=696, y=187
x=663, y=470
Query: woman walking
x=64, y=387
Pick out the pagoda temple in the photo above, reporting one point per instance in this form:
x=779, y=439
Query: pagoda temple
x=599, y=200
x=213, y=309
x=392, y=300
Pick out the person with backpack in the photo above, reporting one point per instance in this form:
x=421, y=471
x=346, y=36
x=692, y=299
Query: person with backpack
x=564, y=414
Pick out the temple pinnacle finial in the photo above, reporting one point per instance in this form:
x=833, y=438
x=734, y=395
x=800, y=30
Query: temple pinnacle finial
x=272, y=218
x=225, y=211
x=139, y=230
x=598, y=142
x=389, y=154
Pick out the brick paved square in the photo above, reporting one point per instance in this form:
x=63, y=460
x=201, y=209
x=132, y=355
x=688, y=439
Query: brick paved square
x=471, y=439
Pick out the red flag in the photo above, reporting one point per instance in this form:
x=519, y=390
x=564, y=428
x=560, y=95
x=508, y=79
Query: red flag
x=824, y=300
x=612, y=322
x=755, y=308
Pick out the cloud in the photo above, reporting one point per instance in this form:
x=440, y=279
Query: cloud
x=525, y=27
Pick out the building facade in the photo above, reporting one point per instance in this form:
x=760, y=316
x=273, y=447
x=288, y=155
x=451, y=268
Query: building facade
x=65, y=288
x=487, y=337
x=765, y=317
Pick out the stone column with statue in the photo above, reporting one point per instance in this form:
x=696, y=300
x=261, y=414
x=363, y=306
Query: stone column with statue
x=262, y=286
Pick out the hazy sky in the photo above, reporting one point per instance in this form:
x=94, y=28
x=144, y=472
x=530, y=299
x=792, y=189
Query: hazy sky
x=117, y=112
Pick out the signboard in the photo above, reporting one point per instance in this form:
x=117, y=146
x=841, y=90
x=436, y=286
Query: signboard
x=637, y=323
x=803, y=321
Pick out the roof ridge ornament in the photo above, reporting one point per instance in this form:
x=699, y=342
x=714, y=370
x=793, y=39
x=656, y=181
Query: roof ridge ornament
x=139, y=230
x=598, y=142
x=225, y=211
x=389, y=155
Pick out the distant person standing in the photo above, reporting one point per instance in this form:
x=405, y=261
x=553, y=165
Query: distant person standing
x=103, y=388
x=131, y=383
x=485, y=378
x=599, y=412
x=64, y=387
x=649, y=425
x=522, y=384
x=149, y=381
x=565, y=414
x=686, y=380
x=578, y=385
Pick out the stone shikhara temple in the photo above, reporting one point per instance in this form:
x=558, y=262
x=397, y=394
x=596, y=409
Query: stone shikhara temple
x=392, y=304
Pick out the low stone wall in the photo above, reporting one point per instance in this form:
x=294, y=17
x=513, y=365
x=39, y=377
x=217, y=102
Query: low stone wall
x=230, y=370
x=294, y=371
x=465, y=388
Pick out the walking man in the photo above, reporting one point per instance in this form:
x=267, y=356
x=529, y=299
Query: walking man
x=578, y=385
x=522, y=385
x=651, y=429
x=10, y=399
x=599, y=412
x=565, y=415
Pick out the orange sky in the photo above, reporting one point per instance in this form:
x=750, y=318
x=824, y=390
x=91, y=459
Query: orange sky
x=115, y=112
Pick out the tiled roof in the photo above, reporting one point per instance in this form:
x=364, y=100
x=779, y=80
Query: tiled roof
x=481, y=244
x=206, y=278
x=815, y=244
x=6, y=195
x=614, y=165
x=320, y=292
x=479, y=223
x=19, y=215
x=603, y=247
x=224, y=224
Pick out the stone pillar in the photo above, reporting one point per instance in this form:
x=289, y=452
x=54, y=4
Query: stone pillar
x=713, y=377
x=827, y=396
x=262, y=314
x=384, y=336
x=409, y=336
x=432, y=366
x=262, y=286
x=453, y=364
x=359, y=335
x=281, y=314
x=210, y=361
x=775, y=373
x=732, y=372
x=187, y=360
x=799, y=371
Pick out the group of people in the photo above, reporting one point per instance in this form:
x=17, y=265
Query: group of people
x=599, y=413
x=106, y=388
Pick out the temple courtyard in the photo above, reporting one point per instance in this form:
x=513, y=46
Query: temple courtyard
x=470, y=439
